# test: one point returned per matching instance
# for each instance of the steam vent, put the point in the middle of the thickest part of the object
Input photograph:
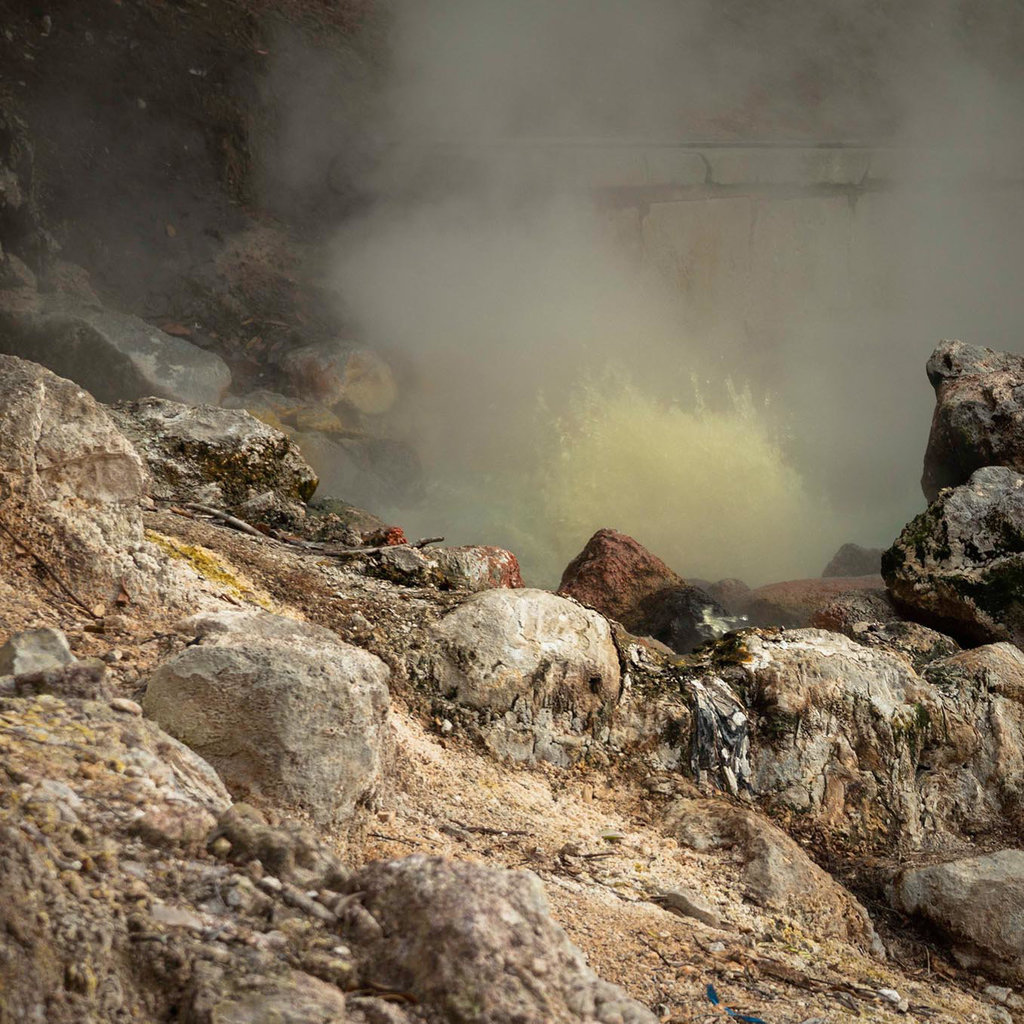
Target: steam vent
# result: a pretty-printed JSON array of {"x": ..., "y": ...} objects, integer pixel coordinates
[{"x": 511, "y": 512}]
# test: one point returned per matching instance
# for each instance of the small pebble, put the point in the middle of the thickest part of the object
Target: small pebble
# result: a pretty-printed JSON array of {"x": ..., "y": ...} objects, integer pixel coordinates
[{"x": 128, "y": 707}]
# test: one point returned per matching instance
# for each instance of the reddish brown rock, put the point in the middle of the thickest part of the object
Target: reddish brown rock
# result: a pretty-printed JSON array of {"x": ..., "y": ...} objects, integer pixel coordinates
[
  {"x": 793, "y": 603},
  {"x": 614, "y": 573}
]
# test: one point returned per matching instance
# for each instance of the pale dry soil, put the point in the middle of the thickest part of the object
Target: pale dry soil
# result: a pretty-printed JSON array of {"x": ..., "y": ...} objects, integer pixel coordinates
[{"x": 595, "y": 838}]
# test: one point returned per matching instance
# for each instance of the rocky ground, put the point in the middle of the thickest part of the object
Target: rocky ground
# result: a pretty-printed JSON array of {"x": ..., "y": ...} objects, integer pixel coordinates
[{"x": 262, "y": 759}]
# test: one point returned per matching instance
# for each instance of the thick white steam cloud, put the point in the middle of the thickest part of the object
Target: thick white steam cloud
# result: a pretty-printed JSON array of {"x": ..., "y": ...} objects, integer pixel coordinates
[{"x": 738, "y": 380}]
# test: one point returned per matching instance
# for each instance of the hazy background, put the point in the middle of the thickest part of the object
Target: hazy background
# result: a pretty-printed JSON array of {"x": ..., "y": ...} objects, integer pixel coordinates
[{"x": 738, "y": 382}]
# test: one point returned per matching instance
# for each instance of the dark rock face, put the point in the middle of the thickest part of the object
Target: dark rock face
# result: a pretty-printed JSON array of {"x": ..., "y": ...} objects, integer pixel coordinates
[
  {"x": 853, "y": 560},
  {"x": 979, "y": 414},
  {"x": 622, "y": 580},
  {"x": 682, "y": 618},
  {"x": 959, "y": 566}
]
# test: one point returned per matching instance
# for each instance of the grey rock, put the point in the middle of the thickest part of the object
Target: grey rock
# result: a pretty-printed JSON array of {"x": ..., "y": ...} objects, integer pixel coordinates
[
  {"x": 474, "y": 945},
  {"x": 979, "y": 414},
  {"x": 978, "y": 902},
  {"x": 114, "y": 356},
  {"x": 35, "y": 650},
  {"x": 539, "y": 668},
  {"x": 853, "y": 560},
  {"x": 278, "y": 708},
  {"x": 958, "y": 567},
  {"x": 687, "y": 904},
  {"x": 775, "y": 871},
  {"x": 72, "y": 481},
  {"x": 213, "y": 455}
]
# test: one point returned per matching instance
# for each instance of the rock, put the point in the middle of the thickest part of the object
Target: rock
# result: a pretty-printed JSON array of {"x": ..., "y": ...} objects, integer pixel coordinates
[
  {"x": 682, "y": 618},
  {"x": 775, "y": 871},
  {"x": 958, "y": 567},
  {"x": 35, "y": 650},
  {"x": 731, "y": 594},
  {"x": 73, "y": 481},
  {"x": 918, "y": 644},
  {"x": 114, "y": 356},
  {"x": 614, "y": 573},
  {"x": 856, "y": 742},
  {"x": 792, "y": 604},
  {"x": 477, "y": 567},
  {"x": 622, "y": 579},
  {"x": 474, "y": 945},
  {"x": 979, "y": 416},
  {"x": 853, "y": 560},
  {"x": 972, "y": 760},
  {"x": 285, "y": 996},
  {"x": 341, "y": 373},
  {"x": 290, "y": 852},
  {"x": 688, "y": 904},
  {"x": 844, "y": 611},
  {"x": 978, "y": 902},
  {"x": 279, "y": 707},
  {"x": 535, "y": 664},
  {"x": 85, "y": 680},
  {"x": 837, "y": 729},
  {"x": 208, "y": 454}
]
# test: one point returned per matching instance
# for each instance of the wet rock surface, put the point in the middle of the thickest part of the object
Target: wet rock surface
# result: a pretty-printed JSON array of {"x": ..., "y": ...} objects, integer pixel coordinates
[
  {"x": 621, "y": 579},
  {"x": 958, "y": 566}
]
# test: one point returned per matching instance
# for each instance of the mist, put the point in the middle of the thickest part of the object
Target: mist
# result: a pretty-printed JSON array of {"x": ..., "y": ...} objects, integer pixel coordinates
[{"x": 733, "y": 376}]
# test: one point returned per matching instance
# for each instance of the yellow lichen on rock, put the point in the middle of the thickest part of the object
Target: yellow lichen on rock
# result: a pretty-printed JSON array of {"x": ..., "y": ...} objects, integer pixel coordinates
[{"x": 214, "y": 569}]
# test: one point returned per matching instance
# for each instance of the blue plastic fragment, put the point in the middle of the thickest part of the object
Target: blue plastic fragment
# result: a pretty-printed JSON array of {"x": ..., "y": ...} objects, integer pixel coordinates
[{"x": 745, "y": 1018}]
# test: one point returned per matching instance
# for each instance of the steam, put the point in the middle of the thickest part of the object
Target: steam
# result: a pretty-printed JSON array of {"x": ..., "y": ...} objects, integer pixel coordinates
[{"x": 736, "y": 381}]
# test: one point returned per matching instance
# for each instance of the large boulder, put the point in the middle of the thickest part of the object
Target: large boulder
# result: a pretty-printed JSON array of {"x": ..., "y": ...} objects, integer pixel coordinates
[
  {"x": 541, "y": 670},
  {"x": 221, "y": 456},
  {"x": 474, "y": 945},
  {"x": 979, "y": 414},
  {"x": 853, "y": 740},
  {"x": 959, "y": 566},
  {"x": 279, "y": 707},
  {"x": 112, "y": 355},
  {"x": 72, "y": 482},
  {"x": 621, "y": 579},
  {"x": 979, "y": 903},
  {"x": 971, "y": 763},
  {"x": 111, "y": 829}
]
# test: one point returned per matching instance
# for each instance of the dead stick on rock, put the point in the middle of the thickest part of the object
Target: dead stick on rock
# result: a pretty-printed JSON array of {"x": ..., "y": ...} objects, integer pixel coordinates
[{"x": 224, "y": 517}]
